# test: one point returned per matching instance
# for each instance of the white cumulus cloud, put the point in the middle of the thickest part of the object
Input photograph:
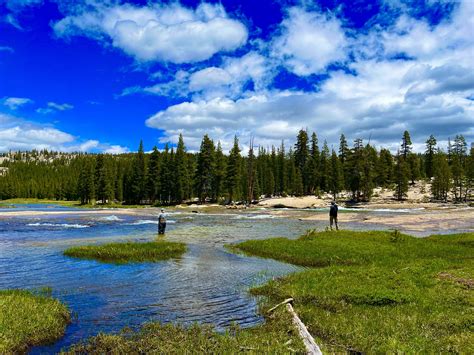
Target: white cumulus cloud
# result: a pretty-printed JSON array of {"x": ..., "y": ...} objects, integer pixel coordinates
[
  {"x": 227, "y": 80},
  {"x": 20, "y": 134},
  {"x": 376, "y": 97},
  {"x": 309, "y": 42},
  {"x": 158, "y": 32},
  {"x": 378, "y": 103}
]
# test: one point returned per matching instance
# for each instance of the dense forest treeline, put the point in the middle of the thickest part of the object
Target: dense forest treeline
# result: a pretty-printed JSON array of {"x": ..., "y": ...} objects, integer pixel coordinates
[{"x": 173, "y": 175}]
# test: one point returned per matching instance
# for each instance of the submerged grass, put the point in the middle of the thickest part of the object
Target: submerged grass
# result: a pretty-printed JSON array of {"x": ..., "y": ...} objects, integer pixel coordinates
[
  {"x": 378, "y": 291},
  {"x": 29, "y": 318},
  {"x": 121, "y": 253},
  {"x": 275, "y": 336}
]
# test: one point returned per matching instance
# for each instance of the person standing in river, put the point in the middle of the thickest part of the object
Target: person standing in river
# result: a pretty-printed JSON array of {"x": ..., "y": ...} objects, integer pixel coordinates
[
  {"x": 333, "y": 214},
  {"x": 162, "y": 222}
]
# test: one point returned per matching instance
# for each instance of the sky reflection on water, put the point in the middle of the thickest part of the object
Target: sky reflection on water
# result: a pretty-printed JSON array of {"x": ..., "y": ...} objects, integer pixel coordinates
[{"x": 207, "y": 285}]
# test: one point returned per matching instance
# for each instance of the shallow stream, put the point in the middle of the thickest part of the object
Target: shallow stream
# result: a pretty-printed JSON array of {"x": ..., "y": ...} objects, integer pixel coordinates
[{"x": 208, "y": 284}]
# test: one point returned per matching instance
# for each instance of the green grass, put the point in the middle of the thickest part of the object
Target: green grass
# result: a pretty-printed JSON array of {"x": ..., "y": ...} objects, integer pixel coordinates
[
  {"x": 26, "y": 201},
  {"x": 121, "y": 253},
  {"x": 378, "y": 292},
  {"x": 275, "y": 336},
  {"x": 28, "y": 319}
]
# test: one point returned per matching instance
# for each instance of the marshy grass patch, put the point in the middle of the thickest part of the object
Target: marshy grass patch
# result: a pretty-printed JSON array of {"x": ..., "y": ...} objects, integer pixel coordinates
[
  {"x": 34, "y": 201},
  {"x": 276, "y": 336},
  {"x": 29, "y": 318},
  {"x": 129, "y": 252},
  {"x": 378, "y": 291}
]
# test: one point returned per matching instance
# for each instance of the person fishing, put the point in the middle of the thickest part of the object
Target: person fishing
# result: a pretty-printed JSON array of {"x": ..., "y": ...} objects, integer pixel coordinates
[
  {"x": 162, "y": 222},
  {"x": 333, "y": 214}
]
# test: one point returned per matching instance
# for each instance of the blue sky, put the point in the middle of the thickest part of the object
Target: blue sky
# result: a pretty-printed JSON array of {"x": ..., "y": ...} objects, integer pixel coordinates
[{"x": 101, "y": 75}]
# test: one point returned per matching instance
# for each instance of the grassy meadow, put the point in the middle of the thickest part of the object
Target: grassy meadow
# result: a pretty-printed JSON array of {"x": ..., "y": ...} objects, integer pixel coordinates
[
  {"x": 129, "y": 252},
  {"x": 378, "y": 292},
  {"x": 30, "y": 318},
  {"x": 275, "y": 336},
  {"x": 64, "y": 203}
]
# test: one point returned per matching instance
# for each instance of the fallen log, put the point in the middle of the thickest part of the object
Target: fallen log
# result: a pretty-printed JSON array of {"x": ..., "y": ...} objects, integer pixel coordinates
[{"x": 308, "y": 340}]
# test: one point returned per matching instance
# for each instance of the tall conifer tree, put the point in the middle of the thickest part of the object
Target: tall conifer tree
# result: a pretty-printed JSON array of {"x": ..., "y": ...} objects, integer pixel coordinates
[
  {"x": 233, "y": 173},
  {"x": 205, "y": 178},
  {"x": 429, "y": 156}
]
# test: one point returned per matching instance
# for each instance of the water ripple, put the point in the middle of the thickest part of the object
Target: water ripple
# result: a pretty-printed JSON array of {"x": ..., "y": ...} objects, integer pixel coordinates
[{"x": 207, "y": 285}]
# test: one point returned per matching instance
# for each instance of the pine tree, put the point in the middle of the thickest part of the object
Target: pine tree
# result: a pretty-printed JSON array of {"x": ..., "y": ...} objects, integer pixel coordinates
[
  {"x": 205, "y": 169},
  {"x": 302, "y": 157},
  {"x": 104, "y": 180},
  {"x": 251, "y": 174},
  {"x": 153, "y": 177},
  {"x": 336, "y": 176},
  {"x": 354, "y": 169},
  {"x": 86, "y": 186},
  {"x": 118, "y": 185},
  {"x": 219, "y": 173},
  {"x": 343, "y": 149},
  {"x": 138, "y": 177},
  {"x": 384, "y": 168},
  {"x": 400, "y": 177},
  {"x": 314, "y": 165},
  {"x": 298, "y": 184},
  {"x": 274, "y": 171},
  {"x": 369, "y": 162},
  {"x": 449, "y": 151},
  {"x": 324, "y": 168},
  {"x": 429, "y": 155},
  {"x": 301, "y": 150},
  {"x": 406, "y": 145},
  {"x": 458, "y": 165},
  {"x": 233, "y": 173},
  {"x": 182, "y": 176},
  {"x": 441, "y": 182},
  {"x": 413, "y": 167},
  {"x": 166, "y": 176},
  {"x": 282, "y": 180}
]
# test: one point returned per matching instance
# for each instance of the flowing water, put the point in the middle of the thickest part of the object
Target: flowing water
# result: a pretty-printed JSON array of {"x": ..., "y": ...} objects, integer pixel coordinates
[{"x": 208, "y": 284}]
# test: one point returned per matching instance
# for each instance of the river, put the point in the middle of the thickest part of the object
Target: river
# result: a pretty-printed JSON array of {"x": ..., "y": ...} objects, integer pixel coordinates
[{"x": 208, "y": 284}]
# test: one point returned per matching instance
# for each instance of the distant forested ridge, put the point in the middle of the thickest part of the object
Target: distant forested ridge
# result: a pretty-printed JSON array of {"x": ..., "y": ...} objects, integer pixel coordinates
[{"x": 173, "y": 175}]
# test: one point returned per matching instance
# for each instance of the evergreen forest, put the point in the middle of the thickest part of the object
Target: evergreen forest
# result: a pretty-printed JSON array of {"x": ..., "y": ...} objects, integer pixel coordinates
[{"x": 173, "y": 175}]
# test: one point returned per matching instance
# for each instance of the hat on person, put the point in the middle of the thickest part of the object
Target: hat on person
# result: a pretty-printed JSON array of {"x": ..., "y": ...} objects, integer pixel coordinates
[{"x": 333, "y": 202}]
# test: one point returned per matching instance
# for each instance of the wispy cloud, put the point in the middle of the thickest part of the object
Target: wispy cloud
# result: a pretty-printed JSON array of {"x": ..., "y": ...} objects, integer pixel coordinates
[
  {"x": 14, "y": 103},
  {"x": 54, "y": 107},
  {"x": 6, "y": 49}
]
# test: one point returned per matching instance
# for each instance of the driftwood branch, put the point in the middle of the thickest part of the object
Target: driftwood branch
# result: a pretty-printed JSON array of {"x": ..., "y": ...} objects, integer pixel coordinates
[
  {"x": 288, "y": 300},
  {"x": 308, "y": 340}
]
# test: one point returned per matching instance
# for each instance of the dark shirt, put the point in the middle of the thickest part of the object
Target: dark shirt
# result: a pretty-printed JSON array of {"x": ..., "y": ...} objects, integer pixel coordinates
[{"x": 333, "y": 211}]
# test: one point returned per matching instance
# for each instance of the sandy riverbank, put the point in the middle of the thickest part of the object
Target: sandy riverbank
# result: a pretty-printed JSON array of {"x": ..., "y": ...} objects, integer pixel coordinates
[
  {"x": 418, "y": 196},
  {"x": 417, "y": 220}
]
